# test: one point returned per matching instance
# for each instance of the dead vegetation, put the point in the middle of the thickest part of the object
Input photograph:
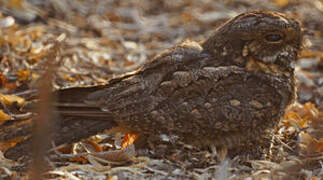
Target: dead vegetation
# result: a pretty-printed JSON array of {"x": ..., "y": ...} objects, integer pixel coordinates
[{"x": 94, "y": 41}]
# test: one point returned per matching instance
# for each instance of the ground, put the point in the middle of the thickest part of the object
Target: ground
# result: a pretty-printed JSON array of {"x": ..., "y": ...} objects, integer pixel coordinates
[{"x": 93, "y": 41}]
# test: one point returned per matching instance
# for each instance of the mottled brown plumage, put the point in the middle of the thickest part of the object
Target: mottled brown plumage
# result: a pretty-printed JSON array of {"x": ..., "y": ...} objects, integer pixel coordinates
[{"x": 225, "y": 91}]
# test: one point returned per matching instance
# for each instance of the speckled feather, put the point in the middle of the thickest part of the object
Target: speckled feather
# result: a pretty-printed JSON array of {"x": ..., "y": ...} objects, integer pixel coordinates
[{"x": 224, "y": 91}]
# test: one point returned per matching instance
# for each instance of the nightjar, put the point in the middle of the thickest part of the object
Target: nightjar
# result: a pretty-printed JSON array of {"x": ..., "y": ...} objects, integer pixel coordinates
[{"x": 225, "y": 91}]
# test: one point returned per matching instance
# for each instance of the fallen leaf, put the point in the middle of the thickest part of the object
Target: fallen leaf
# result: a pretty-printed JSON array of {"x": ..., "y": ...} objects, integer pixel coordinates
[
  {"x": 129, "y": 139},
  {"x": 10, "y": 99},
  {"x": 281, "y": 3},
  {"x": 96, "y": 146},
  {"x": 14, "y": 4},
  {"x": 4, "y": 117},
  {"x": 310, "y": 144},
  {"x": 307, "y": 53},
  {"x": 79, "y": 159},
  {"x": 23, "y": 75},
  {"x": 3, "y": 80},
  {"x": 122, "y": 155},
  {"x": 5, "y": 145},
  {"x": 187, "y": 16}
]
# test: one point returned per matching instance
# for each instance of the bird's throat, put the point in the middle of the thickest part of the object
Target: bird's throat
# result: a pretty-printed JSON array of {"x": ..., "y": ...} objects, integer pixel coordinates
[{"x": 258, "y": 66}]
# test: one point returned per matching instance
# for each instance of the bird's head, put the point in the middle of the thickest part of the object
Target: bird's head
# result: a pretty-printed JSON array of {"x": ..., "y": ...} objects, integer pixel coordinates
[{"x": 258, "y": 40}]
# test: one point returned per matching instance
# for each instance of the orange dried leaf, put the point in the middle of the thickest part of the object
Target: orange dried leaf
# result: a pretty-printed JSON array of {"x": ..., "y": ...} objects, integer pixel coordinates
[
  {"x": 65, "y": 149},
  {"x": 110, "y": 178},
  {"x": 15, "y": 40},
  {"x": 292, "y": 118},
  {"x": 35, "y": 76},
  {"x": 187, "y": 16},
  {"x": 291, "y": 115},
  {"x": 3, "y": 80},
  {"x": 112, "y": 16},
  {"x": 3, "y": 42},
  {"x": 306, "y": 142},
  {"x": 96, "y": 146},
  {"x": 129, "y": 139},
  {"x": 68, "y": 78},
  {"x": 79, "y": 159},
  {"x": 27, "y": 43},
  {"x": 5, "y": 145},
  {"x": 14, "y": 4},
  {"x": 309, "y": 106},
  {"x": 305, "y": 138},
  {"x": 11, "y": 85},
  {"x": 4, "y": 117},
  {"x": 23, "y": 75},
  {"x": 281, "y": 3},
  {"x": 129, "y": 63},
  {"x": 35, "y": 50},
  {"x": 9, "y": 99},
  {"x": 14, "y": 27},
  {"x": 319, "y": 146},
  {"x": 34, "y": 58},
  {"x": 311, "y": 144},
  {"x": 310, "y": 54},
  {"x": 36, "y": 34}
]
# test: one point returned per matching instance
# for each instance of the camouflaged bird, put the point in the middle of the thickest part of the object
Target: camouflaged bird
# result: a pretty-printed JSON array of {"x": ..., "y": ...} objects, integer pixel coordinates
[{"x": 225, "y": 91}]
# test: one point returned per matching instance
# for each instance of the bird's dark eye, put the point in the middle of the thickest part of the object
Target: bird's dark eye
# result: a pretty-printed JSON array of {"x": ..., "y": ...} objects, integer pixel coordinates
[{"x": 273, "y": 37}]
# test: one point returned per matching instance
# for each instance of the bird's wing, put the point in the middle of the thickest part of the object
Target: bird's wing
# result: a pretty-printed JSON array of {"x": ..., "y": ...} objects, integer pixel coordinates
[
  {"x": 214, "y": 101},
  {"x": 134, "y": 89}
]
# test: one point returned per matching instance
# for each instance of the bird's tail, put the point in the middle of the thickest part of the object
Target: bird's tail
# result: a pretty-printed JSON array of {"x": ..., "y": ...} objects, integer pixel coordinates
[
  {"x": 70, "y": 103},
  {"x": 73, "y": 118}
]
